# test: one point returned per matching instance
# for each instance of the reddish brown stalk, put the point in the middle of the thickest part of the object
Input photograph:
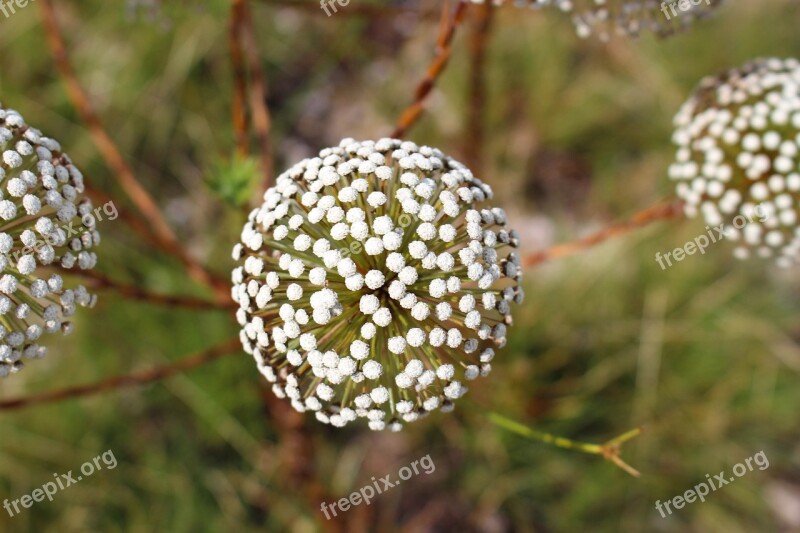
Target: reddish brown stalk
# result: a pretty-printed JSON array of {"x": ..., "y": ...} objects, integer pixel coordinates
[
  {"x": 229, "y": 347},
  {"x": 360, "y": 10},
  {"x": 661, "y": 211},
  {"x": 447, "y": 30},
  {"x": 137, "y": 225},
  {"x": 258, "y": 100},
  {"x": 131, "y": 219},
  {"x": 479, "y": 41},
  {"x": 144, "y": 203},
  {"x": 97, "y": 280},
  {"x": 238, "y": 111},
  {"x": 296, "y": 451}
]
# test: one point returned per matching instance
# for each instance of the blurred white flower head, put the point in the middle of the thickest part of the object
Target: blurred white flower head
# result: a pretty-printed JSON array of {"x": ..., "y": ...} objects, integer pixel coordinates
[
  {"x": 47, "y": 226},
  {"x": 738, "y": 139},
  {"x": 626, "y": 18}
]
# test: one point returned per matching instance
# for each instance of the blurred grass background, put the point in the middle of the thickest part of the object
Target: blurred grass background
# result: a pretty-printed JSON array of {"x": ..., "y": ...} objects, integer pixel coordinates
[{"x": 705, "y": 355}]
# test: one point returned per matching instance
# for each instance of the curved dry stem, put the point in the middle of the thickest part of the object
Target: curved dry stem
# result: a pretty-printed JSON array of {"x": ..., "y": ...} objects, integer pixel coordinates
[
  {"x": 663, "y": 210},
  {"x": 238, "y": 113},
  {"x": 262, "y": 123},
  {"x": 448, "y": 26},
  {"x": 353, "y": 10},
  {"x": 475, "y": 131},
  {"x": 97, "y": 280},
  {"x": 130, "y": 218},
  {"x": 229, "y": 347}
]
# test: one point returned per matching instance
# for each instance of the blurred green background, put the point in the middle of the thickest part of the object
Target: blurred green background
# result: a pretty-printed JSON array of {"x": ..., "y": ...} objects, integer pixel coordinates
[{"x": 705, "y": 355}]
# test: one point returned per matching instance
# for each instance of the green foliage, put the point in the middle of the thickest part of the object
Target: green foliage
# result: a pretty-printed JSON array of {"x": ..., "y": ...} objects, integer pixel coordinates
[{"x": 234, "y": 180}]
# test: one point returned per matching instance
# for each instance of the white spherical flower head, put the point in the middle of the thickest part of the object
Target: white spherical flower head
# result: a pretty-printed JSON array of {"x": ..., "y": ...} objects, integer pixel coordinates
[
  {"x": 384, "y": 309},
  {"x": 47, "y": 224},
  {"x": 738, "y": 158},
  {"x": 628, "y": 18}
]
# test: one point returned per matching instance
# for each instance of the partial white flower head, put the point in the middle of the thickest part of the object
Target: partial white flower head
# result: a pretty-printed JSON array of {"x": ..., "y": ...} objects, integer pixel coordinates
[
  {"x": 404, "y": 290},
  {"x": 43, "y": 209},
  {"x": 605, "y": 19},
  {"x": 738, "y": 158}
]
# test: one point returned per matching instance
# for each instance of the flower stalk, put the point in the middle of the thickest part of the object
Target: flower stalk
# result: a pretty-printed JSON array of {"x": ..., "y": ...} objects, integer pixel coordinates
[{"x": 610, "y": 450}]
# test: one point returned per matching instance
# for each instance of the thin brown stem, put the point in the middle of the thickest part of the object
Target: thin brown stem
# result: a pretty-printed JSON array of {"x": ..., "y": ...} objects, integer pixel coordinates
[
  {"x": 447, "y": 30},
  {"x": 144, "y": 203},
  {"x": 258, "y": 100},
  {"x": 663, "y": 210},
  {"x": 97, "y": 280},
  {"x": 359, "y": 10},
  {"x": 238, "y": 111},
  {"x": 479, "y": 41},
  {"x": 130, "y": 218},
  {"x": 137, "y": 225},
  {"x": 128, "y": 380}
]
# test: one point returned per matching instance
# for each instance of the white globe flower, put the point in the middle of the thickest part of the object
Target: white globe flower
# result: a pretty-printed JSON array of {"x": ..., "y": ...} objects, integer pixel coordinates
[
  {"x": 390, "y": 328},
  {"x": 737, "y": 163},
  {"x": 47, "y": 225},
  {"x": 628, "y": 18}
]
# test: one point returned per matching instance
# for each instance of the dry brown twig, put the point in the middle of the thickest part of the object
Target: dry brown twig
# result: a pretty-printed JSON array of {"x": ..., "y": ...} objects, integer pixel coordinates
[
  {"x": 447, "y": 30},
  {"x": 125, "y": 176},
  {"x": 229, "y": 347},
  {"x": 243, "y": 49},
  {"x": 258, "y": 101},
  {"x": 663, "y": 210},
  {"x": 97, "y": 280},
  {"x": 129, "y": 217},
  {"x": 354, "y": 10},
  {"x": 479, "y": 41},
  {"x": 238, "y": 111}
]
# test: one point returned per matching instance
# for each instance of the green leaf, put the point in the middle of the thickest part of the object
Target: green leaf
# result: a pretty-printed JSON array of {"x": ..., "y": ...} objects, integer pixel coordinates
[{"x": 234, "y": 179}]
